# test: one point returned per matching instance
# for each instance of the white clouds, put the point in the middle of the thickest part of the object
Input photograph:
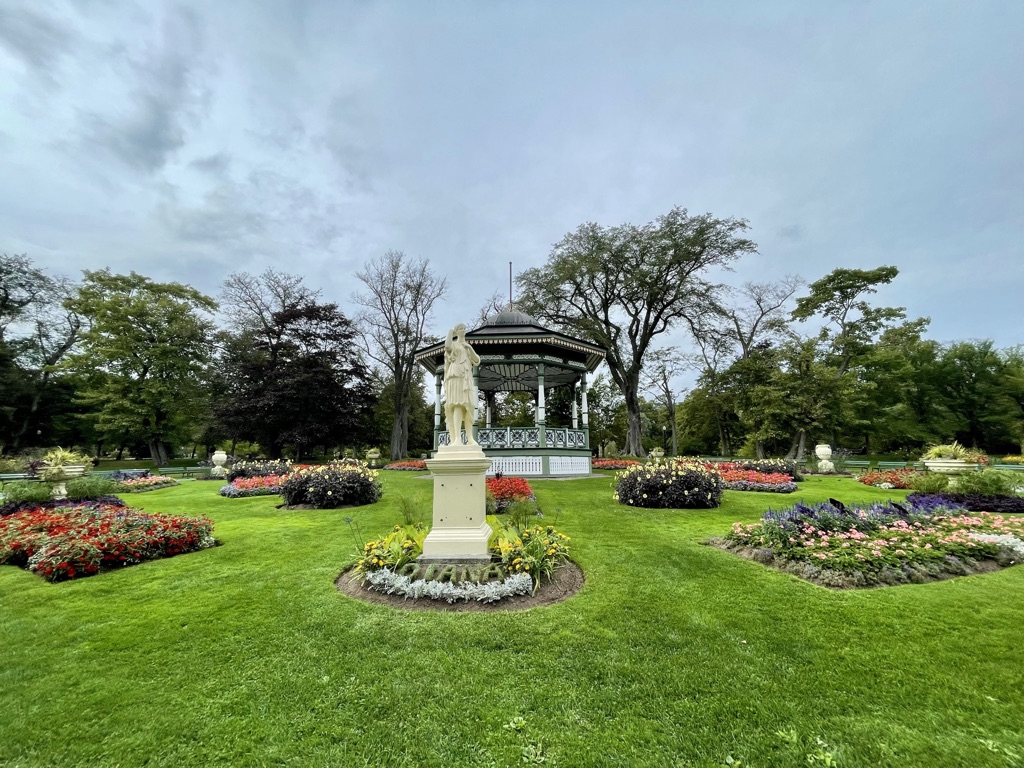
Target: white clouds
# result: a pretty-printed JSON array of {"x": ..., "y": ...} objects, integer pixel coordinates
[{"x": 309, "y": 137}]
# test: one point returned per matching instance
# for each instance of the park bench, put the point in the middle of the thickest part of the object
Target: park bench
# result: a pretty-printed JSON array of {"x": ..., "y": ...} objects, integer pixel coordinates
[
  {"x": 882, "y": 466},
  {"x": 858, "y": 464},
  {"x": 171, "y": 471},
  {"x": 1009, "y": 467},
  {"x": 193, "y": 471},
  {"x": 16, "y": 476}
]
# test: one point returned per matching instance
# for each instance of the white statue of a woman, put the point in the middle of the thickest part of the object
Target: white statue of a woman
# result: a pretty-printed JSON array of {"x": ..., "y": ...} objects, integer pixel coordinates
[{"x": 459, "y": 392}]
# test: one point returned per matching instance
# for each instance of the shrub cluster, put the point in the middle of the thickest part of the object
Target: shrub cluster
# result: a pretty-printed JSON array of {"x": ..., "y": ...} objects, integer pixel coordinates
[
  {"x": 675, "y": 484},
  {"x": 259, "y": 468},
  {"x": 81, "y": 539},
  {"x": 24, "y": 492},
  {"x": 90, "y": 487},
  {"x": 990, "y": 482},
  {"x": 890, "y": 478},
  {"x": 244, "y": 487},
  {"x": 408, "y": 465},
  {"x": 338, "y": 484},
  {"x": 972, "y": 502},
  {"x": 928, "y": 482}
]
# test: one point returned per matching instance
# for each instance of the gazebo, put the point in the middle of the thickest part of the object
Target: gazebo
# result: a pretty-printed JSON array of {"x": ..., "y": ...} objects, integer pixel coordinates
[{"x": 519, "y": 355}]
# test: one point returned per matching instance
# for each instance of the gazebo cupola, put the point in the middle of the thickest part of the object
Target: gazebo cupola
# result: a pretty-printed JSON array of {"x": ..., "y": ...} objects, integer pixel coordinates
[{"x": 519, "y": 355}]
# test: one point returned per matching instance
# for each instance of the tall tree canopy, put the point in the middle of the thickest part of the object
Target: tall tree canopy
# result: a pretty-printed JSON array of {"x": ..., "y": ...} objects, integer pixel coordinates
[
  {"x": 144, "y": 356},
  {"x": 298, "y": 380},
  {"x": 397, "y": 305},
  {"x": 623, "y": 286}
]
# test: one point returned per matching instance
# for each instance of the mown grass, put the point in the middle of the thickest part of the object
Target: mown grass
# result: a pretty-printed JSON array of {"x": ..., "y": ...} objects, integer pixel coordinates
[{"x": 674, "y": 653}]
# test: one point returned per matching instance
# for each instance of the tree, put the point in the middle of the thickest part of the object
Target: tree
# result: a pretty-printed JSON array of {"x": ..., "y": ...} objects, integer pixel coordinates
[
  {"x": 623, "y": 286},
  {"x": 398, "y": 303},
  {"x": 665, "y": 365},
  {"x": 296, "y": 380},
  {"x": 147, "y": 349}
]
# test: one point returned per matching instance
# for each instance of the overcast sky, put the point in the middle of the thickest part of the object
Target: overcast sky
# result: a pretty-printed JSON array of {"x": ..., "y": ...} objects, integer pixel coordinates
[{"x": 187, "y": 141}]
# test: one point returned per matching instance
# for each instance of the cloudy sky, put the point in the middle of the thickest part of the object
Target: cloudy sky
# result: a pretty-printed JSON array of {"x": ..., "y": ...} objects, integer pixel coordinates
[{"x": 187, "y": 141}]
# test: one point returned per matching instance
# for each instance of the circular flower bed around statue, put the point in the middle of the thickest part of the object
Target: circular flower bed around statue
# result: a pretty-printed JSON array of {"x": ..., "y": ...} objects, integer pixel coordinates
[
  {"x": 675, "y": 484},
  {"x": 529, "y": 565},
  {"x": 842, "y": 546},
  {"x": 338, "y": 484}
]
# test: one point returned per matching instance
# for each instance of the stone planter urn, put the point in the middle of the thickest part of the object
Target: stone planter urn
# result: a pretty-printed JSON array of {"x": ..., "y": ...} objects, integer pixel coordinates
[
  {"x": 949, "y": 466},
  {"x": 219, "y": 458},
  {"x": 824, "y": 453}
]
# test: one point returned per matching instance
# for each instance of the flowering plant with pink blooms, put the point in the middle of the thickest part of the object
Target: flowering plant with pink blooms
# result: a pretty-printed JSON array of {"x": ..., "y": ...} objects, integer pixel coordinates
[
  {"x": 881, "y": 536},
  {"x": 143, "y": 484},
  {"x": 260, "y": 485}
]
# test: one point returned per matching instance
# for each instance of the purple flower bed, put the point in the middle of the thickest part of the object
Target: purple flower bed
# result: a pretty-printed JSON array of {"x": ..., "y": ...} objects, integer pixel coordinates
[
  {"x": 746, "y": 485},
  {"x": 973, "y": 502}
]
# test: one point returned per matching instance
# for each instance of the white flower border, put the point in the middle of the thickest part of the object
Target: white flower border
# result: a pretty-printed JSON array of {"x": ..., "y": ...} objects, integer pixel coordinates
[
  {"x": 1004, "y": 540},
  {"x": 391, "y": 583}
]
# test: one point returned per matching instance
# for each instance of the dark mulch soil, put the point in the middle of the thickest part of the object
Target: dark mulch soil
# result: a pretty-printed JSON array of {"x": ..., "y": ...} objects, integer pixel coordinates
[
  {"x": 887, "y": 577},
  {"x": 565, "y": 582}
]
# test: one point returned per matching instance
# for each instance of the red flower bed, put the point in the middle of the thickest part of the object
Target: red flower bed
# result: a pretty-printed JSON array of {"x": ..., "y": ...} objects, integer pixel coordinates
[
  {"x": 263, "y": 481},
  {"x": 613, "y": 463},
  {"x": 897, "y": 478},
  {"x": 82, "y": 539},
  {"x": 731, "y": 474},
  {"x": 409, "y": 465},
  {"x": 509, "y": 488}
]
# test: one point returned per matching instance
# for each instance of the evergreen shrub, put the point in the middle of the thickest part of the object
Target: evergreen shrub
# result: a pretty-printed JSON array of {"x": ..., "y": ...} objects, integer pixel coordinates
[{"x": 675, "y": 484}]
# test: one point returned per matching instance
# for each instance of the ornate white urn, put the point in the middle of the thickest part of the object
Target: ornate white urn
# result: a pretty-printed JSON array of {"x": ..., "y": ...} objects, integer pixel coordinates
[
  {"x": 219, "y": 458},
  {"x": 824, "y": 453},
  {"x": 949, "y": 466}
]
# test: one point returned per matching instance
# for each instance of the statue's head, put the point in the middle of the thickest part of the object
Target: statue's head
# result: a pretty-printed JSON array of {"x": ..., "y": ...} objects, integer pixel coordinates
[{"x": 460, "y": 330}]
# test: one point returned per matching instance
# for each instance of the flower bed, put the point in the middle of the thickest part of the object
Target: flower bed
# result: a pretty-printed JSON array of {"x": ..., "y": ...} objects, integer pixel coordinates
[
  {"x": 735, "y": 478},
  {"x": 243, "y": 487},
  {"x": 890, "y": 478},
  {"x": 143, "y": 484},
  {"x": 389, "y": 564},
  {"x": 409, "y": 465},
  {"x": 82, "y": 539},
  {"x": 676, "y": 484},
  {"x": 613, "y": 463},
  {"x": 768, "y": 466},
  {"x": 260, "y": 468},
  {"x": 503, "y": 492},
  {"x": 972, "y": 502},
  {"x": 890, "y": 543},
  {"x": 338, "y": 484}
]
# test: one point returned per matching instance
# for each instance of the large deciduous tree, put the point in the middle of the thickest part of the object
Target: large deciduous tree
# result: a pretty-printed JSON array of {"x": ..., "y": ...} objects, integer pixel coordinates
[
  {"x": 295, "y": 379},
  {"x": 623, "y": 286},
  {"x": 397, "y": 305},
  {"x": 144, "y": 357}
]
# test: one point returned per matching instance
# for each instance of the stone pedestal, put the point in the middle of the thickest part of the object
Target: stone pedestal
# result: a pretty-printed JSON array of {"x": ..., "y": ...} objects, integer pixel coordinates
[{"x": 460, "y": 530}]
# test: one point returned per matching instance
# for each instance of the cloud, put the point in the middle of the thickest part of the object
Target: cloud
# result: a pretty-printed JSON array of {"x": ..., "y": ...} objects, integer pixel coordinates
[
  {"x": 164, "y": 98},
  {"x": 38, "y": 40},
  {"x": 216, "y": 164},
  {"x": 791, "y": 232}
]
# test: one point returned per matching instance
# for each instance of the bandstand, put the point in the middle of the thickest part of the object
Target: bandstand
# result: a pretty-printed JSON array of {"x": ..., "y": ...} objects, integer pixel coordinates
[{"x": 518, "y": 355}]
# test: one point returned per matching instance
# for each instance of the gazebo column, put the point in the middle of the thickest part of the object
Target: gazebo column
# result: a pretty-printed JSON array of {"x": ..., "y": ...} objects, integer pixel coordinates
[
  {"x": 575, "y": 421},
  {"x": 541, "y": 416},
  {"x": 476, "y": 405},
  {"x": 489, "y": 409},
  {"x": 586, "y": 421},
  {"x": 437, "y": 409}
]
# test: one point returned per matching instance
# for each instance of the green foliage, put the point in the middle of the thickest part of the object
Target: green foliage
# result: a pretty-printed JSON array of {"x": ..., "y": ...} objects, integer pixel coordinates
[
  {"x": 143, "y": 356},
  {"x": 332, "y": 485},
  {"x": 990, "y": 482},
  {"x": 402, "y": 545},
  {"x": 535, "y": 551},
  {"x": 928, "y": 482},
  {"x": 951, "y": 450},
  {"x": 23, "y": 490},
  {"x": 675, "y": 484},
  {"x": 261, "y": 468},
  {"x": 89, "y": 487}
]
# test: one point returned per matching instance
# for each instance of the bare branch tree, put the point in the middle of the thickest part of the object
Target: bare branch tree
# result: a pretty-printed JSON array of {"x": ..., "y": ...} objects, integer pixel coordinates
[
  {"x": 398, "y": 303},
  {"x": 661, "y": 369}
]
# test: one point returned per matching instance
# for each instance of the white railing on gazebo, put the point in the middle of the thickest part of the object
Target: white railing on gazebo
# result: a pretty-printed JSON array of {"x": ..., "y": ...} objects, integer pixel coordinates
[{"x": 498, "y": 438}]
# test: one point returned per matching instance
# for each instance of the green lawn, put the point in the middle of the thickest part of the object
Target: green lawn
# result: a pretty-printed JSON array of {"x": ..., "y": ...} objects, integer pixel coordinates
[{"x": 673, "y": 654}]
